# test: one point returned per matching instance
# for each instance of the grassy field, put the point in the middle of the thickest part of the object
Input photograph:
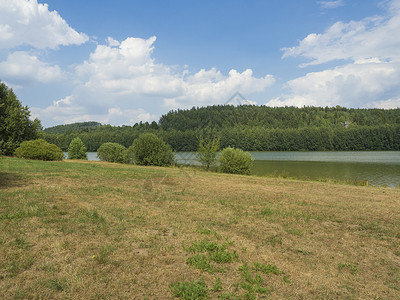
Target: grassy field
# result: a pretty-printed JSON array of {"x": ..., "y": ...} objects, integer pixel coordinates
[{"x": 94, "y": 230}]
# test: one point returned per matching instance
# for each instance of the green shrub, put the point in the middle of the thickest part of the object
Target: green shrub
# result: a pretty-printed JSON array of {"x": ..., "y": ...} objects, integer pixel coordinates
[
  {"x": 39, "y": 149},
  {"x": 77, "y": 149},
  {"x": 235, "y": 161},
  {"x": 112, "y": 152},
  {"x": 150, "y": 150}
]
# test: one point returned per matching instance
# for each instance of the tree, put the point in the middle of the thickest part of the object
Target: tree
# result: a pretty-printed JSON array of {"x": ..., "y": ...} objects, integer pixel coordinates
[
  {"x": 39, "y": 149},
  {"x": 235, "y": 161},
  {"x": 112, "y": 152},
  {"x": 207, "y": 151},
  {"x": 150, "y": 150},
  {"x": 15, "y": 125},
  {"x": 77, "y": 149}
]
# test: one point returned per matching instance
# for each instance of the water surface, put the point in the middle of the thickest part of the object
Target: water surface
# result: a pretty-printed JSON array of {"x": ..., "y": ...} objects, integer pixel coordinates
[{"x": 376, "y": 167}]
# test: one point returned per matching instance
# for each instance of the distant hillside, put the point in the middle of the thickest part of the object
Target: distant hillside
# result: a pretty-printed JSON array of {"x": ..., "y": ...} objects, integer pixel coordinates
[
  {"x": 222, "y": 116},
  {"x": 82, "y": 126},
  {"x": 251, "y": 128}
]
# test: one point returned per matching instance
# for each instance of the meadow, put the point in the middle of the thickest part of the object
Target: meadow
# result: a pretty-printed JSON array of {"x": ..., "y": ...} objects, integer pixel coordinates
[{"x": 96, "y": 230}]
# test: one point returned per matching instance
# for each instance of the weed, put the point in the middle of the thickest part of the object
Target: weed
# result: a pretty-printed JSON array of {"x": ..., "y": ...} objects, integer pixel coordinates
[
  {"x": 206, "y": 252},
  {"x": 104, "y": 255},
  {"x": 266, "y": 212},
  {"x": 303, "y": 252},
  {"x": 274, "y": 240},
  {"x": 287, "y": 279},
  {"x": 253, "y": 284},
  {"x": 217, "y": 286},
  {"x": 190, "y": 290},
  {"x": 267, "y": 269},
  {"x": 353, "y": 268},
  {"x": 57, "y": 284},
  {"x": 21, "y": 243},
  {"x": 201, "y": 262}
]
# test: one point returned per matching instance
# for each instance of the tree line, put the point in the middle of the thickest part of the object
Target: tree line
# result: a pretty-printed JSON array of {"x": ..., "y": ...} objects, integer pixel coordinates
[{"x": 251, "y": 128}]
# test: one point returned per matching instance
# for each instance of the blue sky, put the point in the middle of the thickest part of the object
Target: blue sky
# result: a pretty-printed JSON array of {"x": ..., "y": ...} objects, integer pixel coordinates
[{"x": 124, "y": 61}]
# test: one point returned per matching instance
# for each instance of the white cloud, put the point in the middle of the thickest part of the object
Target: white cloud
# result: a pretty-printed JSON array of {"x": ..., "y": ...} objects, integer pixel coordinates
[
  {"x": 371, "y": 37},
  {"x": 211, "y": 87},
  {"x": 386, "y": 104},
  {"x": 130, "y": 69},
  {"x": 370, "y": 72},
  {"x": 121, "y": 75},
  {"x": 22, "y": 68},
  {"x": 68, "y": 110},
  {"x": 331, "y": 4},
  {"x": 353, "y": 85},
  {"x": 27, "y": 22}
]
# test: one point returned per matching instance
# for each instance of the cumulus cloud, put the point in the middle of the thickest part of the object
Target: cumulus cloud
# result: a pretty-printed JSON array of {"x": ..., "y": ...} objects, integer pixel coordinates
[
  {"x": 129, "y": 69},
  {"x": 353, "y": 85},
  {"x": 120, "y": 75},
  {"x": 27, "y": 22},
  {"x": 23, "y": 68},
  {"x": 68, "y": 110},
  {"x": 371, "y": 37},
  {"x": 370, "y": 72},
  {"x": 208, "y": 87}
]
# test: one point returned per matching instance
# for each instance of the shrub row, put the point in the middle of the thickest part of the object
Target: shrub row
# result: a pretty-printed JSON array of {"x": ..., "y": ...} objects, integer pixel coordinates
[{"x": 146, "y": 150}]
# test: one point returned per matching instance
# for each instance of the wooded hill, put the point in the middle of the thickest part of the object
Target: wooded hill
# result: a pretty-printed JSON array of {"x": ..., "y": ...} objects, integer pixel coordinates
[{"x": 251, "y": 128}]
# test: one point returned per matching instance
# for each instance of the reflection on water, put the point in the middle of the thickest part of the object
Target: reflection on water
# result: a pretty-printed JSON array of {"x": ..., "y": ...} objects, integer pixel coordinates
[
  {"x": 375, "y": 174},
  {"x": 378, "y": 167}
]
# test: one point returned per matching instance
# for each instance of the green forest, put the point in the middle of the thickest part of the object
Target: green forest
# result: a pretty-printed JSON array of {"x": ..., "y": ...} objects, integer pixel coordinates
[{"x": 251, "y": 128}]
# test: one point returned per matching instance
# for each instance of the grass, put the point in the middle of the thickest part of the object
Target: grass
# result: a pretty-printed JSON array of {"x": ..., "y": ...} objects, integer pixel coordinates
[{"x": 95, "y": 230}]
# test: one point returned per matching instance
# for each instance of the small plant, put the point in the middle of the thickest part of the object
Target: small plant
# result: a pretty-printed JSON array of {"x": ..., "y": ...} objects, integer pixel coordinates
[
  {"x": 208, "y": 255},
  {"x": 267, "y": 269},
  {"x": 104, "y": 255},
  {"x": 235, "y": 161},
  {"x": 253, "y": 284},
  {"x": 207, "y": 152},
  {"x": 190, "y": 290},
  {"x": 112, "y": 152},
  {"x": 353, "y": 268},
  {"x": 57, "y": 284},
  {"x": 201, "y": 262},
  {"x": 150, "y": 150},
  {"x": 274, "y": 240},
  {"x": 39, "y": 149},
  {"x": 77, "y": 149},
  {"x": 217, "y": 287}
]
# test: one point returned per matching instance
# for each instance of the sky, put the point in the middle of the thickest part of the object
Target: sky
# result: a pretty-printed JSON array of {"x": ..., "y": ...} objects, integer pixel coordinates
[{"x": 120, "y": 62}]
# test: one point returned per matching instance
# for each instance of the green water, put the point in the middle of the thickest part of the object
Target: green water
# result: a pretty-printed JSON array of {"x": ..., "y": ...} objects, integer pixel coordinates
[{"x": 376, "y": 167}]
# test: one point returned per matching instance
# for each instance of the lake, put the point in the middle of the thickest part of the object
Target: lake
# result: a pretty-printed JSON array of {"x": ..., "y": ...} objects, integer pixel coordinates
[{"x": 377, "y": 167}]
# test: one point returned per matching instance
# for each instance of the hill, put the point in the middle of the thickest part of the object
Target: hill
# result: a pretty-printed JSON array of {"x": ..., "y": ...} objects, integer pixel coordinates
[
  {"x": 74, "y": 127},
  {"x": 252, "y": 128}
]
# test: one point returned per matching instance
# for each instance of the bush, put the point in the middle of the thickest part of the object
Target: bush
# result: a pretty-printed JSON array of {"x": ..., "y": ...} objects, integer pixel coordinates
[
  {"x": 77, "y": 149},
  {"x": 112, "y": 152},
  {"x": 39, "y": 149},
  {"x": 150, "y": 150},
  {"x": 235, "y": 161}
]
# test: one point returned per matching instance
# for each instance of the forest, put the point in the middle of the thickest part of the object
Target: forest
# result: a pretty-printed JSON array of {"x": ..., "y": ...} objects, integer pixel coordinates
[{"x": 251, "y": 128}]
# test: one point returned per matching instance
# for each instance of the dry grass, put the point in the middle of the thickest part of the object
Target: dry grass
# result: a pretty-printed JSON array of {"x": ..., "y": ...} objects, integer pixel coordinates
[{"x": 90, "y": 230}]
